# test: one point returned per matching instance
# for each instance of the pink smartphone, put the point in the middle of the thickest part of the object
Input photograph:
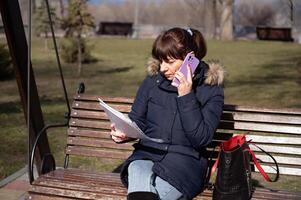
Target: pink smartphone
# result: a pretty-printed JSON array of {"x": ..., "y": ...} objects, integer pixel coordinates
[{"x": 189, "y": 60}]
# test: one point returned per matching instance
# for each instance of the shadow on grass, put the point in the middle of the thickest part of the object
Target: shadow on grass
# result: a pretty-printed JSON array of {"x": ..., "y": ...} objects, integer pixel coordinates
[
  {"x": 114, "y": 70},
  {"x": 16, "y": 107},
  {"x": 11, "y": 107},
  {"x": 47, "y": 100},
  {"x": 274, "y": 72}
]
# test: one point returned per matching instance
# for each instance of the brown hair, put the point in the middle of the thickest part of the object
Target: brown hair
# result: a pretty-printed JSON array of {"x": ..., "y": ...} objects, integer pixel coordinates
[{"x": 177, "y": 42}]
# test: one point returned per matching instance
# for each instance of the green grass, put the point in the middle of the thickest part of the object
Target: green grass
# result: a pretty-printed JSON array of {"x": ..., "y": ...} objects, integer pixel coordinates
[{"x": 258, "y": 74}]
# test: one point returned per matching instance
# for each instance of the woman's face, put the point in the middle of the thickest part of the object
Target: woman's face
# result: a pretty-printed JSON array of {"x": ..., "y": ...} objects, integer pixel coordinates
[{"x": 170, "y": 67}]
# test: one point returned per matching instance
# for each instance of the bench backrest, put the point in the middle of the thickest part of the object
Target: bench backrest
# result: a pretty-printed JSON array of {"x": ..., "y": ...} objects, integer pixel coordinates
[{"x": 278, "y": 131}]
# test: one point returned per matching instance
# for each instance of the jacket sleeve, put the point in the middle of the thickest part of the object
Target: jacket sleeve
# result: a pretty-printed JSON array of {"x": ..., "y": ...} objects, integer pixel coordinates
[
  {"x": 200, "y": 116},
  {"x": 139, "y": 107}
]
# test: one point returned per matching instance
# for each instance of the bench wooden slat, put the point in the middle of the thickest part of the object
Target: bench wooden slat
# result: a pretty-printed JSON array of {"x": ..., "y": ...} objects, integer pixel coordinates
[
  {"x": 85, "y": 151},
  {"x": 96, "y": 124},
  {"x": 86, "y": 97},
  {"x": 81, "y": 183},
  {"x": 273, "y": 149},
  {"x": 89, "y": 114},
  {"x": 40, "y": 196},
  {"x": 274, "y": 139},
  {"x": 288, "y": 111},
  {"x": 278, "y": 149},
  {"x": 282, "y": 170},
  {"x": 227, "y": 107},
  {"x": 34, "y": 196},
  {"x": 95, "y": 106},
  {"x": 226, "y": 116},
  {"x": 281, "y": 159},
  {"x": 105, "y": 134},
  {"x": 75, "y": 194},
  {"x": 73, "y": 131},
  {"x": 83, "y": 174},
  {"x": 262, "y": 117},
  {"x": 260, "y": 127},
  {"x": 97, "y": 178},
  {"x": 243, "y": 126},
  {"x": 98, "y": 143}
]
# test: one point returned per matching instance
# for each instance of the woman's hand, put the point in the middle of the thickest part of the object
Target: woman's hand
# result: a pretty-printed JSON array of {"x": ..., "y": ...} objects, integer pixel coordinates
[
  {"x": 185, "y": 85},
  {"x": 117, "y": 136}
]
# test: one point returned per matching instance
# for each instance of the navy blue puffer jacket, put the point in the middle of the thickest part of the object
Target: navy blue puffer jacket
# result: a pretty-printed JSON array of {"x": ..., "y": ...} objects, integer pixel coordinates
[{"x": 186, "y": 124}]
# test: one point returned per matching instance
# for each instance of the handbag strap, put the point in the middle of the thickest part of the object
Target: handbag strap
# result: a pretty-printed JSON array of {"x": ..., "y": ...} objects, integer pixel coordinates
[
  {"x": 258, "y": 166},
  {"x": 214, "y": 167},
  {"x": 207, "y": 184}
]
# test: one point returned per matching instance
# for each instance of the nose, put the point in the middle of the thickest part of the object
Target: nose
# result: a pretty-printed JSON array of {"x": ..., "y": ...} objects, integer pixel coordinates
[{"x": 163, "y": 67}]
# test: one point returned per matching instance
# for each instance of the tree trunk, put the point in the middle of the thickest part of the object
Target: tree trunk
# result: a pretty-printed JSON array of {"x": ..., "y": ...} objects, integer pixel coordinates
[
  {"x": 62, "y": 9},
  {"x": 226, "y": 25},
  {"x": 34, "y": 6},
  {"x": 46, "y": 42},
  {"x": 79, "y": 56},
  {"x": 210, "y": 18}
]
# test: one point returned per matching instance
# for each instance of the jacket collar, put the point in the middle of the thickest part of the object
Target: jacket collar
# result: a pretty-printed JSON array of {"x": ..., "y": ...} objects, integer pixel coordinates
[{"x": 209, "y": 74}]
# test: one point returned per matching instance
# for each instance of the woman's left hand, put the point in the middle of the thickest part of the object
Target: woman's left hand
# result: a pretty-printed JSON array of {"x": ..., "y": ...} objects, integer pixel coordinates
[{"x": 185, "y": 85}]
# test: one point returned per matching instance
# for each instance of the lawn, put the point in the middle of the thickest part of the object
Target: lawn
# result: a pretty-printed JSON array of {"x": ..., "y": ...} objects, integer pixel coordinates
[{"x": 258, "y": 74}]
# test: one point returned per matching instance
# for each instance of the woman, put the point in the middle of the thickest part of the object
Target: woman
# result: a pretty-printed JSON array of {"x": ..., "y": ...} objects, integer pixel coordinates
[{"x": 184, "y": 117}]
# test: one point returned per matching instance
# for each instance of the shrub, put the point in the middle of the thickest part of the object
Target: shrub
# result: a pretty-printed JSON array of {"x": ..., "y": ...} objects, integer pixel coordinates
[
  {"x": 69, "y": 51},
  {"x": 6, "y": 69}
]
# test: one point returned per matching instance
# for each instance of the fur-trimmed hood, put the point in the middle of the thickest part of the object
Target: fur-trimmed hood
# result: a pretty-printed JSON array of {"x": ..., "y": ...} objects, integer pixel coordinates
[{"x": 214, "y": 74}]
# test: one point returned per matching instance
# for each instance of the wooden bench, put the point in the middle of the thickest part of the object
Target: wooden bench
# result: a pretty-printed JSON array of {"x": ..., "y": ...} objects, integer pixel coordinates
[
  {"x": 276, "y": 131},
  {"x": 274, "y": 33}
]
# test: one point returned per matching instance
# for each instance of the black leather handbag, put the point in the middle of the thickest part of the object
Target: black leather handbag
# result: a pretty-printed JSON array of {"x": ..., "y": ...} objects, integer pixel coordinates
[{"x": 233, "y": 180}]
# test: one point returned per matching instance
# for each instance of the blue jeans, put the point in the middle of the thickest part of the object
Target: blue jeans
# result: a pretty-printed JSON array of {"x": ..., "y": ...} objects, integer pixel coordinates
[{"x": 142, "y": 179}]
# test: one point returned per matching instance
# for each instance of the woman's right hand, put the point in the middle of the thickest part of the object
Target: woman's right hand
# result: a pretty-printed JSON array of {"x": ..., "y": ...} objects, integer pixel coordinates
[{"x": 117, "y": 136}]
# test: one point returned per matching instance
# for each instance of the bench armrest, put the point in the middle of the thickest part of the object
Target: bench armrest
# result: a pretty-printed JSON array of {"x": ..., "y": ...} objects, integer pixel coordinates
[{"x": 31, "y": 161}]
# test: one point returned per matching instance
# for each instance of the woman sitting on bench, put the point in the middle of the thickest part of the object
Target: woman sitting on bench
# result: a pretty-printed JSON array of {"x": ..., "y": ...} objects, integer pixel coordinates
[{"x": 184, "y": 117}]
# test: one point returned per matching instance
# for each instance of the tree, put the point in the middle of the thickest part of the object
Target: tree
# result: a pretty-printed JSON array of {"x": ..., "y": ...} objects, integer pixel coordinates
[
  {"x": 253, "y": 14},
  {"x": 291, "y": 6},
  {"x": 226, "y": 24},
  {"x": 196, "y": 10},
  {"x": 79, "y": 21},
  {"x": 62, "y": 8},
  {"x": 210, "y": 18},
  {"x": 41, "y": 21}
]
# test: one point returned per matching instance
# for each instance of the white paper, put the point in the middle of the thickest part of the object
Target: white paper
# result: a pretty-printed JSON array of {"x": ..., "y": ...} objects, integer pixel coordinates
[{"x": 124, "y": 124}]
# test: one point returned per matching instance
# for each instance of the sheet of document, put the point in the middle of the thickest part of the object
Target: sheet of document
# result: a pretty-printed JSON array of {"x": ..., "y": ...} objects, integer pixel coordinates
[{"x": 124, "y": 124}]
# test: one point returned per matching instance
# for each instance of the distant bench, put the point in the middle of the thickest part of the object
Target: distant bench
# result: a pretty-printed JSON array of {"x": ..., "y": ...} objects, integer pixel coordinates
[
  {"x": 274, "y": 33},
  {"x": 278, "y": 131},
  {"x": 115, "y": 28}
]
